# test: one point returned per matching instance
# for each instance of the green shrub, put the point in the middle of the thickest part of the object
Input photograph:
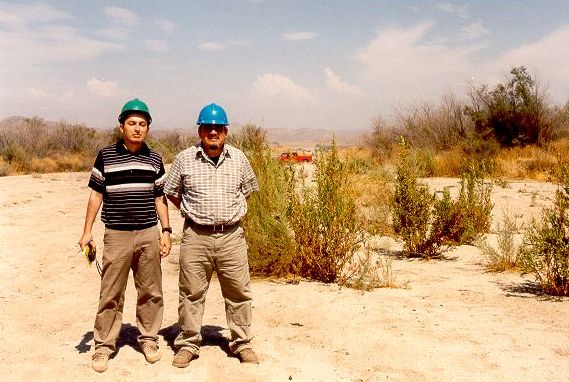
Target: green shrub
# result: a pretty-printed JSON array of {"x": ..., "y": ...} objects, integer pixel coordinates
[
  {"x": 515, "y": 113},
  {"x": 545, "y": 251},
  {"x": 505, "y": 257},
  {"x": 31, "y": 141},
  {"x": 412, "y": 209},
  {"x": 370, "y": 270},
  {"x": 428, "y": 224},
  {"x": 474, "y": 208},
  {"x": 270, "y": 241},
  {"x": 324, "y": 220}
]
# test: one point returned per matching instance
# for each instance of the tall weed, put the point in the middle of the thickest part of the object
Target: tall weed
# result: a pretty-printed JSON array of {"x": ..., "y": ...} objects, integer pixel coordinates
[
  {"x": 271, "y": 244},
  {"x": 505, "y": 256},
  {"x": 412, "y": 209},
  {"x": 545, "y": 251},
  {"x": 324, "y": 220},
  {"x": 428, "y": 225}
]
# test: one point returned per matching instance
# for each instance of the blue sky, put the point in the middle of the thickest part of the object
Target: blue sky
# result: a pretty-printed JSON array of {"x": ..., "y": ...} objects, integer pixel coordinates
[{"x": 280, "y": 64}]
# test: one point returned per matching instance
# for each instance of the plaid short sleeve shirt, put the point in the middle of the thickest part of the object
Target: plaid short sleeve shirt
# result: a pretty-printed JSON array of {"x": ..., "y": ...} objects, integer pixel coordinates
[{"x": 209, "y": 193}]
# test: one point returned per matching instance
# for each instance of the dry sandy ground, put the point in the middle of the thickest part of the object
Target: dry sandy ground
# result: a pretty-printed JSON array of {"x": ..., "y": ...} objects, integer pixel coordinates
[{"x": 454, "y": 322}]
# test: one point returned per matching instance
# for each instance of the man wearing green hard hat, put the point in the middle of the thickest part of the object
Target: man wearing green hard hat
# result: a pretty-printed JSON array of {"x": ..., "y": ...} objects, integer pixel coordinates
[
  {"x": 128, "y": 180},
  {"x": 210, "y": 183}
]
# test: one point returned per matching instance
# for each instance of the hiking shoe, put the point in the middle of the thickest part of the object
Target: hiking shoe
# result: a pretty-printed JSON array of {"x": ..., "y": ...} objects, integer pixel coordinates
[
  {"x": 99, "y": 362},
  {"x": 183, "y": 358},
  {"x": 150, "y": 351},
  {"x": 248, "y": 356}
]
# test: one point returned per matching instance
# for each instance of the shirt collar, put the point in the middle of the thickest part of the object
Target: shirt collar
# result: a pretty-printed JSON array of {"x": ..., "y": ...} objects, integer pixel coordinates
[
  {"x": 224, "y": 153},
  {"x": 144, "y": 150}
]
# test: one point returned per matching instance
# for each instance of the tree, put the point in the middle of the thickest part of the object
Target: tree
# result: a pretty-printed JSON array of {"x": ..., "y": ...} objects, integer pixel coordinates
[{"x": 514, "y": 113}]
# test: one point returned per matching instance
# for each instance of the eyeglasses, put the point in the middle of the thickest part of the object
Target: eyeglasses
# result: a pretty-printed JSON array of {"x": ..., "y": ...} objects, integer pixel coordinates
[{"x": 209, "y": 128}]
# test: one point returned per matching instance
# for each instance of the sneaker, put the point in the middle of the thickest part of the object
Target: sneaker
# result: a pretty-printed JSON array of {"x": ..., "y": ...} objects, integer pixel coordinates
[
  {"x": 248, "y": 356},
  {"x": 183, "y": 358},
  {"x": 150, "y": 351},
  {"x": 99, "y": 362}
]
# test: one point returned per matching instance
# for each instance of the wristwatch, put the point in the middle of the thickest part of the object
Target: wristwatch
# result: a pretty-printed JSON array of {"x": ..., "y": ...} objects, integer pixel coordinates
[{"x": 167, "y": 229}]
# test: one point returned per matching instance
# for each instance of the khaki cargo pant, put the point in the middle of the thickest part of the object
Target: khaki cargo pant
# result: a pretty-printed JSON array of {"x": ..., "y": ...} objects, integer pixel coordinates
[
  {"x": 138, "y": 250},
  {"x": 200, "y": 254}
]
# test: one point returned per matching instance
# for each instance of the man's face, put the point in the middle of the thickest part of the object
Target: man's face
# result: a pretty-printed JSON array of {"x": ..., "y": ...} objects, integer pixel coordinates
[
  {"x": 135, "y": 128},
  {"x": 212, "y": 137}
]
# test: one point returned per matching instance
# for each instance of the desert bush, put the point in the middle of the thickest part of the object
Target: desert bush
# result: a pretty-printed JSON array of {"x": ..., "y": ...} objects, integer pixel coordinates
[
  {"x": 373, "y": 192},
  {"x": 370, "y": 270},
  {"x": 168, "y": 143},
  {"x": 428, "y": 224},
  {"x": 515, "y": 113},
  {"x": 381, "y": 140},
  {"x": 545, "y": 250},
  {"x": 412, "y": 209},
  {"x": 505, "y": 256},
  {"x": 473, "y": 207},
  {"x": 324, "y": 220},
  {"x": 434, "y": 126},
  {"x": 32, "y": 145},
  {"x": 271, "y": 244}
]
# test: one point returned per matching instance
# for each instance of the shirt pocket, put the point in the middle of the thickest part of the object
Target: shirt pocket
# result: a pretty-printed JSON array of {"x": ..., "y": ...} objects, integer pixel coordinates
[{"x": 229, "y": 181}]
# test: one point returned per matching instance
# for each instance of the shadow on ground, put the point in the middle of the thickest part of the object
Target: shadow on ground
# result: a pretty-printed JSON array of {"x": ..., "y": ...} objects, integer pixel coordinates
[{"x": 527, "y": 289}]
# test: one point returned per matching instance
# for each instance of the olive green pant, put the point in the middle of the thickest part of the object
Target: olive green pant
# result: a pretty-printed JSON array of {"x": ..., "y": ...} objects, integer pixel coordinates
[
  {"x": 138, "y": 250},
  {"x": 201, "y": 253}
]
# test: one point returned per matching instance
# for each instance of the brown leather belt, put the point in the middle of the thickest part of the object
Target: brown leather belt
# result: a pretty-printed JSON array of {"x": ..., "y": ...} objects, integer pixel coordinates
[{"x": 213, "y": 228}]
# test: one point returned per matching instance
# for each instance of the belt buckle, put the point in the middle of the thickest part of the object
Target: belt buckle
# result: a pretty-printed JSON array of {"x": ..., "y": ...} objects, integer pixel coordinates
[{"x": 218, "y": 228}]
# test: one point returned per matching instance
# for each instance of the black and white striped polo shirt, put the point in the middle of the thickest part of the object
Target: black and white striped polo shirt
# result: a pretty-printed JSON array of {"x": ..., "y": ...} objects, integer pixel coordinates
[{"x": 129, "y": 184}]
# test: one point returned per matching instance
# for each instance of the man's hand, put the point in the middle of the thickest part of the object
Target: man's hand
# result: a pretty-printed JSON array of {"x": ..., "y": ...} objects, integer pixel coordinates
[
  {"x": 86, "y": 239},
  {"x": 165, "y": 244}
]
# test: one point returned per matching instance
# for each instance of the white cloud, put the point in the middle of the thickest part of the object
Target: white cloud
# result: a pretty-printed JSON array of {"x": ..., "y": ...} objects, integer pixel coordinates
[
  {"x": 401, "y": 64},
  {"x": 461, "y": 10},
  {"x": 18, "y": 14},
  {"x": 211, "y": 46},
  {"x": 50, "y": 45},
  {"x": 474, "y": 30},
  {"x": 277, "y": 86},
  {"x": 335, "y": 83},
  {"x": 55, "y": 45},
  {"x": 35, "y": 93},
  {"x": 167, "y": 26},
  {"x": 156, "y": 45},
  {"x": 57, "y": 95},
  {"x": 121, "y": 16},
  {"x": 546, "y": 57},
  {"x": 299, "y": 36},
  {"x": 29, "y": 37},
  {"x": 103, "y": 87},
  {"x": 114, "y": 33}
]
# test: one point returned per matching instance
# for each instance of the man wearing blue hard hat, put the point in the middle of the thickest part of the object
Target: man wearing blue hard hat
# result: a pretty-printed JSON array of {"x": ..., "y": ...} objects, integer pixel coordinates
[{"x": 210, "y": 183}]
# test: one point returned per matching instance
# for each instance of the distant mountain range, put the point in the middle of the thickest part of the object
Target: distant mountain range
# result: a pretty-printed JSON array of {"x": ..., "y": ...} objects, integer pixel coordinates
[
  {"x": 311, "y": 137},
  {"x": 301, "y": 138}
]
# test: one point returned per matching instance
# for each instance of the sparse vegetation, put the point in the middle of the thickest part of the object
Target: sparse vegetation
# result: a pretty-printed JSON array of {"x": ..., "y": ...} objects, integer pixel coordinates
[
  {"x": 429, "y": 225},
  {"x": 505, "y": 256},
  {"x": 34, "y": 146},
  {"x": 370, "y": 270},
  {"x": 545, "y": 251},
  {"x": 511, "y": 127},
  {"x": 314, "y": 227},
  {"x": 324, "y": 221},
  {"x": 270, "y": 240}
]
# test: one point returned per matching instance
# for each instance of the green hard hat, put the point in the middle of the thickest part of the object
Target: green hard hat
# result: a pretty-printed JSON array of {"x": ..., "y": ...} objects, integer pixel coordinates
[{"x": 134, "y": 106}]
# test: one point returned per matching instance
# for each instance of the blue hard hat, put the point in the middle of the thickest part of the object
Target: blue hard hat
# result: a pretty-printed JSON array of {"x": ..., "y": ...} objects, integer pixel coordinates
[{"x": 212, "y": 114}]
